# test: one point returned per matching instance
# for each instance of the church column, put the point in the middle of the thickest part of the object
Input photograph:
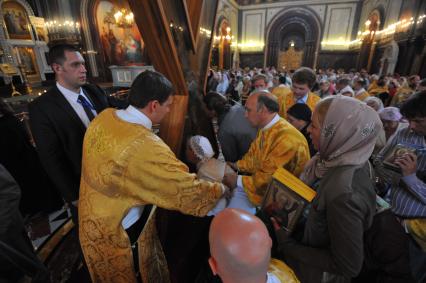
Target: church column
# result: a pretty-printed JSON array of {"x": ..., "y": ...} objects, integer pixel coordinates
[
  {"x": 273, "y": 53},
  {"x": 310, "y": 54}
]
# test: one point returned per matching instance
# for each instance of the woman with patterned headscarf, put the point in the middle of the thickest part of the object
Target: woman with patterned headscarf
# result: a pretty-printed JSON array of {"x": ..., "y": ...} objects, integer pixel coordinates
[{"x": 344, "y": 131}]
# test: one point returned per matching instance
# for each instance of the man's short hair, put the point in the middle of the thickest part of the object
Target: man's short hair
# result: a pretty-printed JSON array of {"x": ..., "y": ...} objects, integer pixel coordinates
[
  {"x": 260, "y": 77},
  {"x": 270, "y": 103},
  {"x": 361, "y": 82},
  {"x": 149, "y": 86},
  {"x": 415, "y": 106},
  {"x": 382, "y": 81},
  {"x": 282, "y": 79},
  {"x": 344, "y": 81},
  {"x": 57, "y": 53},
  {"x": 304, "y": 75}
]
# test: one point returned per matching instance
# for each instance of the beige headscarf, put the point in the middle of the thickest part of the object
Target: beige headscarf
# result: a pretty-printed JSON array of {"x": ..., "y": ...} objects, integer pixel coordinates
[{"x": 348, "y": 136}]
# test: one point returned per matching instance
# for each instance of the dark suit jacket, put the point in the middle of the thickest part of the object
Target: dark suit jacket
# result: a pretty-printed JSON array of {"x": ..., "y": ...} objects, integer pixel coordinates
[
  {"x": 20, "y": 158},
  {"x": 58, "y": 133},
  {"x": 14, "y": 237}
]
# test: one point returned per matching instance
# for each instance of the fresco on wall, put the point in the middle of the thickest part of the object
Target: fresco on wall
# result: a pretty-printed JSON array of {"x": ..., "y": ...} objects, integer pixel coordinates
[
  {"x": 26, "y": 57},
  {"x": 122, "y": 45},
  {"x": 16, "y": 20}
]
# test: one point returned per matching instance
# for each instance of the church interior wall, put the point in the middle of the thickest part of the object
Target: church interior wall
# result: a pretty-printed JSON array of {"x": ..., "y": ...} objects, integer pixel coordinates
[
  {"x": 339, "y": 24},
  {"x": 332, "y": 18}
]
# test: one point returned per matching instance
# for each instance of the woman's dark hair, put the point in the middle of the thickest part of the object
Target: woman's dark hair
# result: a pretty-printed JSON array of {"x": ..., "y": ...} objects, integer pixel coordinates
[
  {"x": 216, "y": 102},
  {"x": 415, "y": 106},
  {"x": 5, "y": 109},
  {"x": 149, "y": 86}
]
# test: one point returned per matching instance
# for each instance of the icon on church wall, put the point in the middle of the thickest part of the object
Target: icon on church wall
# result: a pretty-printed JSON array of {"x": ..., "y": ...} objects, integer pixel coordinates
[
  {"x": 16, "y": 20},
  {"x": 26, "y": 57},
  {"x": 120, "y": 38},
  {"x": 40, "y": 28}
]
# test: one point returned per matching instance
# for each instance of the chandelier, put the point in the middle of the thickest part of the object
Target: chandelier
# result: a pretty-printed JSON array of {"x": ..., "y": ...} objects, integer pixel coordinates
[
  {"x": 63, "y": 31},
  {"x": 124, "y": 18}
]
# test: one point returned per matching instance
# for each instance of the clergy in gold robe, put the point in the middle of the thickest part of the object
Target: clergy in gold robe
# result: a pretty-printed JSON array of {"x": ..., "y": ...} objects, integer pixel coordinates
[
  {"x": 361, "y": 94},
  {"x": 278, "y": 144},
  {"x": 303, "y": 81},
  {"x": 359, "y": 88},
  {"x": 288, "y": 100},
  {"x": 280, "y": 91},
  {"x": 281, "y": 271},
  {"x": 125, "y": 168},
  {"x": 401, "y": 95}
]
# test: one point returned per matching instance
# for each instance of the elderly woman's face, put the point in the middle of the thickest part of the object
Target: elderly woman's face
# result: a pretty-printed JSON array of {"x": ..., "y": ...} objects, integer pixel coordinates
[
  {"x": 314, "y": 130},
  {"x": 389, "y": 127}
]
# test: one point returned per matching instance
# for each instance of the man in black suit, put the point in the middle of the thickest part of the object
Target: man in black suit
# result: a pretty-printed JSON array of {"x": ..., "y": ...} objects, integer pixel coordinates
[
  {"x": 59, "y": 119},
  {"x": 17, "y": 256}
]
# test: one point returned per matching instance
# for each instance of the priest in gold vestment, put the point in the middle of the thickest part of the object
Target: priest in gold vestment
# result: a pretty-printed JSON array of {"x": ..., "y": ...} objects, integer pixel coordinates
[
  {"x": 125, "y": 168},
  {"x": 278, "y": 144}
]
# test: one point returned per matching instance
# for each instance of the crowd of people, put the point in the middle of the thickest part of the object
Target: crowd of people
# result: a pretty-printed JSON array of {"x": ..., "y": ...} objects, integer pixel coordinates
[{"x": 358, "y": 140}]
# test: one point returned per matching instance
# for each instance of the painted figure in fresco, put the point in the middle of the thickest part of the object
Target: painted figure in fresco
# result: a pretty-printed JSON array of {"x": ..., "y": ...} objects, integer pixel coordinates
[{"x": 10, "y": 22}]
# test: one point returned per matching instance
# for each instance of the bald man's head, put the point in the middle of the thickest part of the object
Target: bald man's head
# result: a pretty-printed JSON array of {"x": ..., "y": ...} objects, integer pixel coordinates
[
  {"x": 261, "y": 107},
  {"x": 240, "y": 246}
]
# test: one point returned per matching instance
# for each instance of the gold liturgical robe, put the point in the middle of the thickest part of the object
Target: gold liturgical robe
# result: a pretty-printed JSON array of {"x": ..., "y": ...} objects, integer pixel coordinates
[
  {"x": 282, "y": 145},
  {"x": 401, "y": 95},
  {"x": 284, "y": 273},
  {"x": 125, "y": 165},
  {"x": 362, "y": 96},
  {"x": 281, "y": 91},
  {"x": 288, "y": 100}
]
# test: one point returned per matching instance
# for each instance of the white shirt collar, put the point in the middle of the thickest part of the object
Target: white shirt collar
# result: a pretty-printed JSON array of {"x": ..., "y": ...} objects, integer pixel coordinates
[
  {"x": 303, "y": 99},
  {"x": 271, "y": 278},
  {"x": 273, "y": 122},
  {"x": 360, "y": 91},
  {"x": 132, "y": 115},
  {"x": 68, "y": 92}
]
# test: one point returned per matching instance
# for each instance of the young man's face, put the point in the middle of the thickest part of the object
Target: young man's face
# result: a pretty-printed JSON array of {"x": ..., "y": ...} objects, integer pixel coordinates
[
  {"x": 161, "y": 110},
  {"x": 72, "y": 73},
  {"x": 300, "y": 90},
  {"x": 259, "y": 84},
  {"x": 418, "y": 125}
]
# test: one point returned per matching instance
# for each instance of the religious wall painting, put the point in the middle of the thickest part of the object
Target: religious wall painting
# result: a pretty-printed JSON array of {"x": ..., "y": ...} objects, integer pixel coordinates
[
  {"x": 40, "y": 28},
  {"x": 16, "y": 20},
  {"x": 121, "y": 43},
  {"x": 26, "y": 57}
]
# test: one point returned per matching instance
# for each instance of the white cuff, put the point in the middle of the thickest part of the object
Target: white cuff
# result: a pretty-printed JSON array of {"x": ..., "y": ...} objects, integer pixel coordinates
[{"x": 240, "y": 181}]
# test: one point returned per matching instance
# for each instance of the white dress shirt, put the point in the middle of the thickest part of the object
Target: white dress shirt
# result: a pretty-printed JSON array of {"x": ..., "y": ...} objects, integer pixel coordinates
[
  {"x": 303, "y": 99},
  {"x": 133, "y": 115},
  {"x": 72, "y": 98},
  {"x": 271, "y": 278}
]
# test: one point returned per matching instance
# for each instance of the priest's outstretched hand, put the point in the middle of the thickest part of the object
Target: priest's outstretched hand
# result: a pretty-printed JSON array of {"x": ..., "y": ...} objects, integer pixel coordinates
[{"x": 230, "y": 180}]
